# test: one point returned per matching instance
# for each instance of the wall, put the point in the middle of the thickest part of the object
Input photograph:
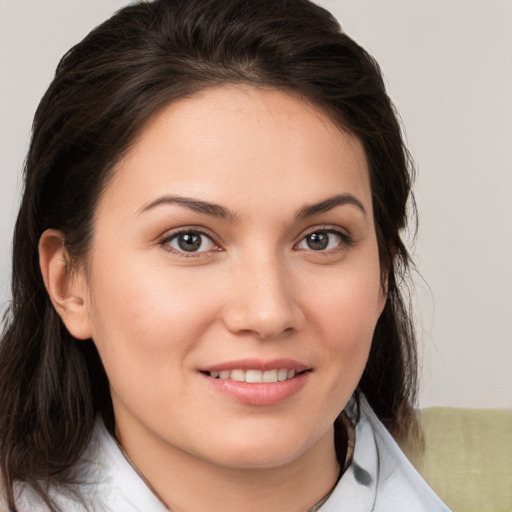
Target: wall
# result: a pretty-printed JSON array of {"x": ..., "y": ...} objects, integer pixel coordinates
[{"x": 448, "y": 68}]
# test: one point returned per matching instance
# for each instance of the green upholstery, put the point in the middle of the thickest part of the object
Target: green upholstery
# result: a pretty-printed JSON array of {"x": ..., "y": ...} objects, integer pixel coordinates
[{"x": 467, "y": 458}]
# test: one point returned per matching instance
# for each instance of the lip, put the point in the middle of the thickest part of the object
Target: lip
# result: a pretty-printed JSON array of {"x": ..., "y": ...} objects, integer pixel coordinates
[
  {"x": 257, "y": 364},
  {"x": 258, "y": 394}
]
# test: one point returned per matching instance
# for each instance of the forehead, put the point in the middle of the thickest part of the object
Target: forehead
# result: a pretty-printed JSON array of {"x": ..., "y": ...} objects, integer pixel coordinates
[{"x": 236, "y": 144}]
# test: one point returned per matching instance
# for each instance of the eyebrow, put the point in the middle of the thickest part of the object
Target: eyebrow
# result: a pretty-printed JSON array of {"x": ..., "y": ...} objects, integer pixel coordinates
[
  {"x": 195, "y": 205},
  {"x": 329, "y": 204},
  {"x": 216, "y": 210}
]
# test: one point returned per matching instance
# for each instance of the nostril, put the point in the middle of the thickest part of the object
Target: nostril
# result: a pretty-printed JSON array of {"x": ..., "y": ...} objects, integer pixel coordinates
[
  {"x": 265, "y": 312},
  {"x": 285, "y": 331}
]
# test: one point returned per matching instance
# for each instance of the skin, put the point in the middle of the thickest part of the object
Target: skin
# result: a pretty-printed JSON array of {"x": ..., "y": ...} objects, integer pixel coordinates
[{"x": 255, "y": 289}]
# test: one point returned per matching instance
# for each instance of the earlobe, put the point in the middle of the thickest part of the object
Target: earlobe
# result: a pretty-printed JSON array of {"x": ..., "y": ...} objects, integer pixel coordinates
[{"x": 65, "y": 286}]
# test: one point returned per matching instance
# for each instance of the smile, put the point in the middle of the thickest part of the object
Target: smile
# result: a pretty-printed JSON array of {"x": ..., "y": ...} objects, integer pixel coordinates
[
  {"x": 256, "y": 382},
  {"x": 255, "y": 376}
]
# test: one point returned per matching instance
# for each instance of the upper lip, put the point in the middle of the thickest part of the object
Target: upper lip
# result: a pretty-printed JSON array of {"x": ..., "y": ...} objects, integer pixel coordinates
[{"x": 257, "y": 364}]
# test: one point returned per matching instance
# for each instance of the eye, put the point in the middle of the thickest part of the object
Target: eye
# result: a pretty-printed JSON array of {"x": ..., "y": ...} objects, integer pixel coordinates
[
  {"x": 190, "y": 242},
  {"x": 321, "y": 240}
]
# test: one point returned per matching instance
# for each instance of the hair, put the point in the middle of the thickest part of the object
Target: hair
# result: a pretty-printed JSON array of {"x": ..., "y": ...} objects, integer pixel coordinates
[{"x": 105, "y": 89}]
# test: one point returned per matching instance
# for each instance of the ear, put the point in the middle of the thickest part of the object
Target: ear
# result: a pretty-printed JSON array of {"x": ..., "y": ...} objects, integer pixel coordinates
[{"x": 66, "y": 286}]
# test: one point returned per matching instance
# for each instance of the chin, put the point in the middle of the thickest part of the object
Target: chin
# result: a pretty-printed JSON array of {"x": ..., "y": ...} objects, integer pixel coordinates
[
  {"x": 262, "y": 452},
  {"x": 259, "y": 459}
]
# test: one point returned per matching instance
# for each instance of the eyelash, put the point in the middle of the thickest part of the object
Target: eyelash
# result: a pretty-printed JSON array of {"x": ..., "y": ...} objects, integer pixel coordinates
[
  {"x": 184, "y": 254},
  {"x": 346, "y": 241}
]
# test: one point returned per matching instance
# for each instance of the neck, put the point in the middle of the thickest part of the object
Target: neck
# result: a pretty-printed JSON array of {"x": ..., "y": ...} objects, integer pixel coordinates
[{"x": 186, "y": 483}]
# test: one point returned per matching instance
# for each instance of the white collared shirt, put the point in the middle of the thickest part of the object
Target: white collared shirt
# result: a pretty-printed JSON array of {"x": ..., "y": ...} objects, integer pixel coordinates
[{"x": 379, "y": 479}]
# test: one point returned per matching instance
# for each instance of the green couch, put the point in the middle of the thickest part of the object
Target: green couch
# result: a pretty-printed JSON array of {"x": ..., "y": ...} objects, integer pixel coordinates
[{"x": 467, "y": 457}]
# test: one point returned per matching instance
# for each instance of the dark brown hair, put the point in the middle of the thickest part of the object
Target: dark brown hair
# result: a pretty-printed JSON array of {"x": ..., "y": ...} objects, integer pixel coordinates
[{"x": 104, "y": 91}]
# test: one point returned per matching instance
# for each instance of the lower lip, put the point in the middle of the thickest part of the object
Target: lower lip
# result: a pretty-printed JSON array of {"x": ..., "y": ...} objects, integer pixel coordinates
[{"x": 270, "y": 393}]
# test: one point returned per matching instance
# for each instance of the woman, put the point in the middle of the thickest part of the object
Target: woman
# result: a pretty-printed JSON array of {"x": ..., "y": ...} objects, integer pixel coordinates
[{"x": 205, "y": 305}]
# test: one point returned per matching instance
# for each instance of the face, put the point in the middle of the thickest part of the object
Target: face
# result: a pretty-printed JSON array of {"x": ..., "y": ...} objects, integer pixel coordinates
[{"x": 233, "y": 284}]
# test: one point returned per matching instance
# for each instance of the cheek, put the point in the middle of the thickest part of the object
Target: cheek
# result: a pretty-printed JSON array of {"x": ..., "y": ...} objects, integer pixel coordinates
[
  {"x": 346, "y": 313},
  {"x": 349, "y": 304},
  {"x": 149, "y": 320}
]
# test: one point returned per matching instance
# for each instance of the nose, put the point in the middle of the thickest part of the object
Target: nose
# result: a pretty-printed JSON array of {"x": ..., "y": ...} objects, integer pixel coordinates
[{"x": 263, "y": 300}]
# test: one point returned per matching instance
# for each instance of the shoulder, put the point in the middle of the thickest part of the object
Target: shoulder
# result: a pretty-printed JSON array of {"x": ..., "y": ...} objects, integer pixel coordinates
[
  {"x": 107, "y": 483},
  {"x": 380, "y": 478},
  {"x": 398, "y": 479},
  {"x": 3, "y": 503},
  {"x": 27, "y": 499}
]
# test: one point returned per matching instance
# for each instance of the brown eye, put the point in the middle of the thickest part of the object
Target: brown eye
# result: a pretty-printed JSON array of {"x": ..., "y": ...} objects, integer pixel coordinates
[
  {"x": 317, "y": 241},
  {"x": 321, "y": 241},
  {"x": 190, "y": 241}
]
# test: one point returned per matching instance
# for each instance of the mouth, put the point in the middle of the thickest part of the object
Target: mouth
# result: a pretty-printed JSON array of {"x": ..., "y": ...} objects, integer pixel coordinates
[
  {"x": 255, "y": 376},
  {"x": 256, "y": 382}
]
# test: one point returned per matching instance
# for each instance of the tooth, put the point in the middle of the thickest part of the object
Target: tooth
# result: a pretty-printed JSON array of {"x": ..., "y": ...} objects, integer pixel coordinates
[
  {"x": 238, "y": 375},
  {"x": 282, "y": 374},
  {"x": 269, "y": 376},
  {"x": 253, "y": 375}
]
